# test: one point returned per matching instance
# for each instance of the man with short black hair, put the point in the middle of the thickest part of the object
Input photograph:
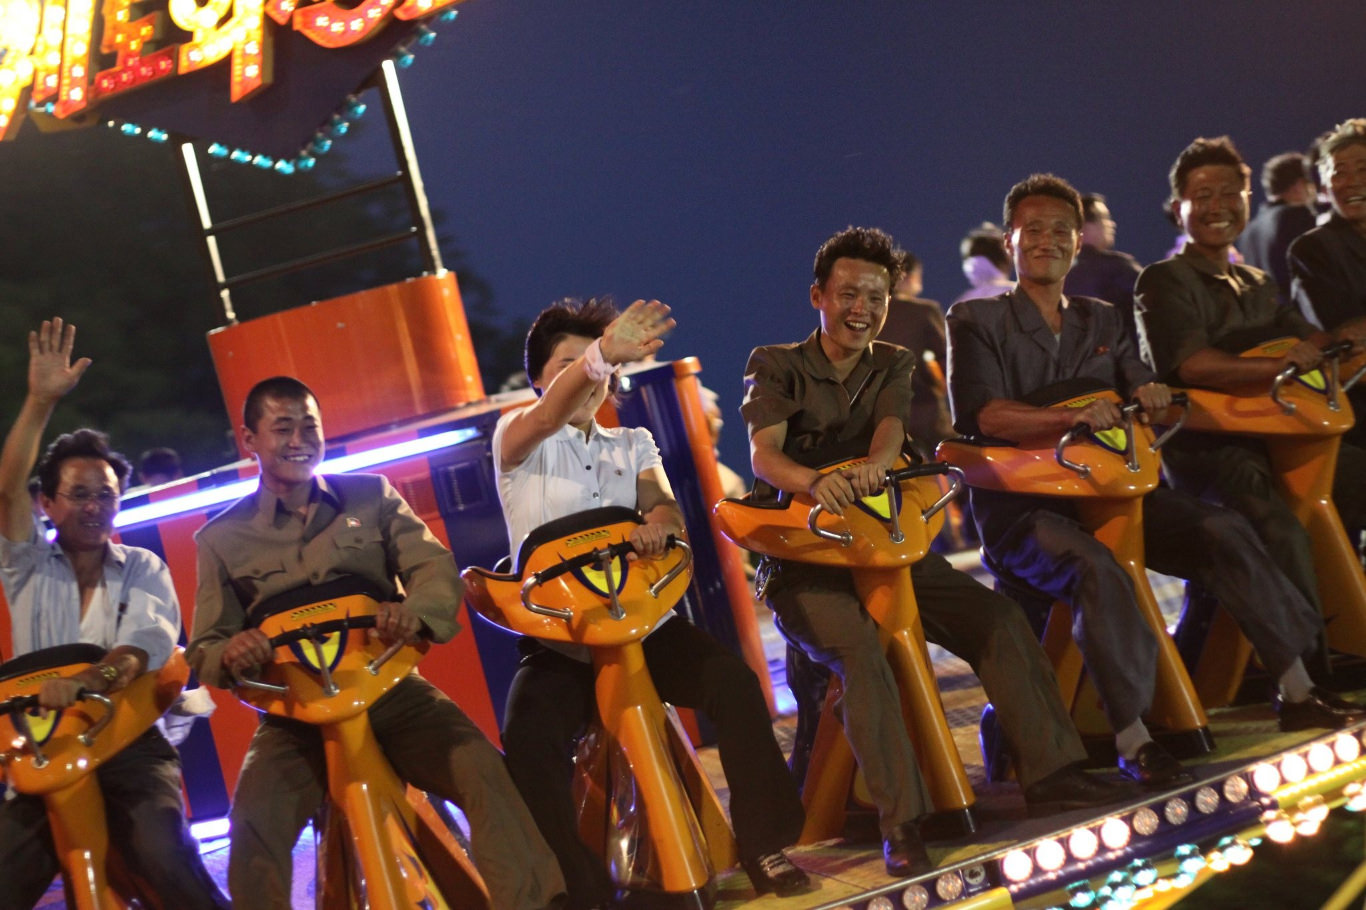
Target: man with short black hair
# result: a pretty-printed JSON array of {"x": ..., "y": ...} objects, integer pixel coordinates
[
  {"x": 1328, "y": 264},
  {"x": 1101, "y": 271},
  {"x": 840, "y": 393},
  {"x": 1197, "y": 314},
  {"x": 1285, "y": 215},
  {"x": 82, "y": 587},
  {"x": 300, "y": 528}
]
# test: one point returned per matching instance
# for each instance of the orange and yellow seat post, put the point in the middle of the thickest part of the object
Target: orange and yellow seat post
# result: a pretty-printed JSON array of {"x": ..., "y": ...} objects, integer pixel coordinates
[
  {"x": 1111, "y": 474},
  {"x": 406, "y": 857},
  {"x": 71, "y": 745},
  {"x": 688, "y": 833},
  {"x": 879, "y": 553},
  {"x": 1300, "y": 422}
]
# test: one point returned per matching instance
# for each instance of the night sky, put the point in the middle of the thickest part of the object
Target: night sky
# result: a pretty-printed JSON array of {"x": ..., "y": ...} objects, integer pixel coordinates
[{"x": 700, "y": 152}]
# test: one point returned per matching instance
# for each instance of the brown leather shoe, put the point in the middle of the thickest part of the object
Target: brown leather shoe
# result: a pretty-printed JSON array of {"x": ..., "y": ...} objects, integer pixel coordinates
[
  {"x": 775, "y": 872},
  {"x": 1322, "y": 709},
  {"x": 1154, "y": 768},
  {"x": 904, "y": 852},
  {"x": 1071, "y": 788}
]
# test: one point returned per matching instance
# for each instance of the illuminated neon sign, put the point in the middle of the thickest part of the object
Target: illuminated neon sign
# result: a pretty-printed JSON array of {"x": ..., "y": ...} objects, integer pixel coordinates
[{"x": 66, "y": 56}]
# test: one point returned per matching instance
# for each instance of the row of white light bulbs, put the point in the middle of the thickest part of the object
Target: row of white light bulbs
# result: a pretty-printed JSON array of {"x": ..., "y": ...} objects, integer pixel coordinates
[{"x": 1050, "y": 854}]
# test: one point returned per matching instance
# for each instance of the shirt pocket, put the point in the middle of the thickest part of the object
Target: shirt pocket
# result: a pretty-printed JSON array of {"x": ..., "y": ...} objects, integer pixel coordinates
[
  {"x": 261, "y": 567},
  {"x": 352, "y": 539}
]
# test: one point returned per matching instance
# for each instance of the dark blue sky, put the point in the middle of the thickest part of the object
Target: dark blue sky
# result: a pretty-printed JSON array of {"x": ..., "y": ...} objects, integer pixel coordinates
[{"x": 699, "y": 152}]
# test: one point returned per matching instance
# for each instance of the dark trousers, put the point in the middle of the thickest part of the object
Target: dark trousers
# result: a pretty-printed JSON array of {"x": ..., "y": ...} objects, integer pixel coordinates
[
  {"x": 817, "y": 610},
  {"x": 1050, "y": 551},
  {"x": 141, "y": 787},
  {"x": 432, "y": 745},
  {"x": 1237, "y": 473},
  {"x": 552, "y": 698}
]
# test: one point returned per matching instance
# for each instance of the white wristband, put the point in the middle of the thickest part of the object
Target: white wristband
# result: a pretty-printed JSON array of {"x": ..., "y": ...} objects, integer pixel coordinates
[{"x": 593, "y": 364}]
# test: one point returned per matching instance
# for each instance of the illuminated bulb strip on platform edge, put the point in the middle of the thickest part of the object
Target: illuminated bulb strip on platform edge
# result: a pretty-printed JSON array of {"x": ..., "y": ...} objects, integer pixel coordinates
[{"x": 228, "y": 492}]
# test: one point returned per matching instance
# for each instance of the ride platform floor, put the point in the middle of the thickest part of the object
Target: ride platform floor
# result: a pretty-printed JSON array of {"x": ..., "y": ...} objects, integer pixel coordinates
[{"x": 844, "y": 870}]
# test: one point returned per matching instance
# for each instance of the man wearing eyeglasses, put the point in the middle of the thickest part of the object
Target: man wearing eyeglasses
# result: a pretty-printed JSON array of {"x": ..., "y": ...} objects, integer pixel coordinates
[{"x": 81, "y": 587}]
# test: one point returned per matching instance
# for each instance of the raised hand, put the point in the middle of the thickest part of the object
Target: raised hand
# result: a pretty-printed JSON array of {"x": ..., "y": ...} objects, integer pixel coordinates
[
  {"x": 51, "y": 374},
  {"x": 636, "y": 333}
]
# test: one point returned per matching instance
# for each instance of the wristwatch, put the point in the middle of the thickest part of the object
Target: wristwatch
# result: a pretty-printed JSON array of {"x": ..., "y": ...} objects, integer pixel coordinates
[{"x": 108, "y": 673}]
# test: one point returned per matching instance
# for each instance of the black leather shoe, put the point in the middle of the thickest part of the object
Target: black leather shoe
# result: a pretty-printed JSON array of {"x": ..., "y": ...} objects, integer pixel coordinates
[
  {"x": 1154, "y": 768},
  {"x": 775, "y": 872},
  {"x": 904, "y": 853},
  {"x": 1322, "y": 709},
  {"x": 1071, "y": 788}
]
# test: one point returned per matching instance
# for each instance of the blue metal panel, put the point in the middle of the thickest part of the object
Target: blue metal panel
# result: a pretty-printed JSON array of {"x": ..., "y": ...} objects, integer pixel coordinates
[{"x": 650, "y": 399}]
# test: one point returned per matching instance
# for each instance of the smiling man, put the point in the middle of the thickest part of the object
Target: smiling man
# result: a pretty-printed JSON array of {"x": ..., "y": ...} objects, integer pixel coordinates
[
  {"x": 1328, "y": 264},
  {"x": 1196, "y": 313},
  {"x": 1012, "y": 356},
  {"x": 301, "y": 528},
  {"x": 84, "y": 588},
  {"x": 840, "y": 394}
]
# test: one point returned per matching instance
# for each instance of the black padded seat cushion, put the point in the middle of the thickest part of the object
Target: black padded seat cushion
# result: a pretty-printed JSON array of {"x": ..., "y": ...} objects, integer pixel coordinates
[
  {"x": 43, "y": 658},
  {"x": 573, "y": 524},
  {"x": 303, "y": 596}
]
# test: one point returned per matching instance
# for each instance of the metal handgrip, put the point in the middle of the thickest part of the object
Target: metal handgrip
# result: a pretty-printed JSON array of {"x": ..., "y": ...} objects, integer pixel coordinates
[
  {"x": 374, "y": 665},
  {"x": 1356, "y": 377},
  {"x": 553, "y": 612},
  {"x": 843, "y": 538},
  {"x": 40, "y": 759},
  {"x": 1281, "y": 379},
  {"x": 956, "y": 481},
  {"x": 245, "y": 683},
  {"x": 676, "y": 570},
  {"x": 1180, "y": 400},
  {"x": 1128, "y": 412},
  {"x": 88, "y": 736},
  {"x": 1067, "y": 439}
]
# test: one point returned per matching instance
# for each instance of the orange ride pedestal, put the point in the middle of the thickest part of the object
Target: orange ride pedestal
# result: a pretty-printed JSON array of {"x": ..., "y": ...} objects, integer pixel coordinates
[
  {"x": 1106, "y": 476},
  {"x": 1300, "y": 421},
  {"x": 573, "y": 584},
  {"x": 878, "y": 540},
  {"x": 55, "y": 754},
  {"x": 328, "y": 672}
]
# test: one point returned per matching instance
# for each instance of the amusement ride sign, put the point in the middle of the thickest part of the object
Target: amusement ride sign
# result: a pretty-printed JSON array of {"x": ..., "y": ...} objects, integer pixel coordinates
[{"x": 195, "y": 67}]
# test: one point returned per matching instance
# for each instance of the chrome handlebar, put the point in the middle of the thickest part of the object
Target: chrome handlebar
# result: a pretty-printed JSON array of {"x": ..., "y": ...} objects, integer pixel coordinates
[{"x": 604, "y": 557}]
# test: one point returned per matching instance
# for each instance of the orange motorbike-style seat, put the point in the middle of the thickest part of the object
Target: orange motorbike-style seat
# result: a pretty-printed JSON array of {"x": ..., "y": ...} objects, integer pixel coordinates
[
  {"x": 53, "y": 754},
  {"x": 1300, "y": 420},
  {"x": 327, "y": 671},
  {"x": 573, "y": 583},
  {"x": 878, "y": 540},
  {"x": 1105, "y": 475}
]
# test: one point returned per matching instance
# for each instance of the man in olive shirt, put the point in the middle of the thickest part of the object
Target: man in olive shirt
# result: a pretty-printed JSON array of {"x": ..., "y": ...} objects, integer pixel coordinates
[
  {"x": 1196, "y": 313},
  {"x": 302, "y": 529},
  {"x": 839, "y": 394}
]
